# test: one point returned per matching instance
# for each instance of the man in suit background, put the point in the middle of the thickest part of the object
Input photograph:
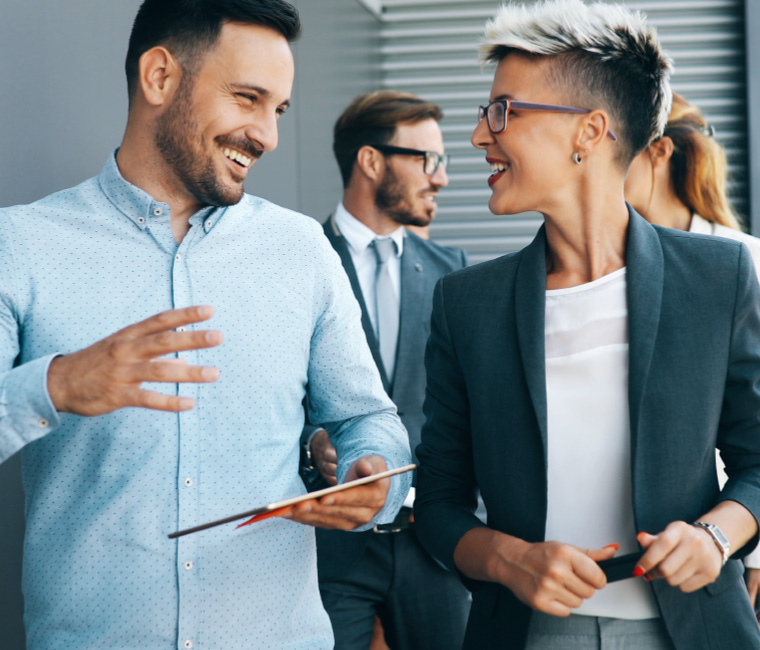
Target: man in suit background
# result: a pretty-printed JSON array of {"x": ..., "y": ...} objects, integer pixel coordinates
[{"x": 389, "y": 148}]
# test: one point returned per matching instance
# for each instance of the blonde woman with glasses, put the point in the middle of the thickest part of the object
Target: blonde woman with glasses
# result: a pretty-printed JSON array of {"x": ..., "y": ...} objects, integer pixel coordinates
[{"x": 584, "y": 383}]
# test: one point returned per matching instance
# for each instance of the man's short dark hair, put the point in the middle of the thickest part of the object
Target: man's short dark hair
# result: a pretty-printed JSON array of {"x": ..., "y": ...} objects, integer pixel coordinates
[
  {"x": 189, "y": 28},
  {"x": 372, "y": 118}
]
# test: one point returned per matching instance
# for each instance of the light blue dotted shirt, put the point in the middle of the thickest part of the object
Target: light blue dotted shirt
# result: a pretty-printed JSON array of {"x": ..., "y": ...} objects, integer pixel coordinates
[{"x": 104, "y": 492}]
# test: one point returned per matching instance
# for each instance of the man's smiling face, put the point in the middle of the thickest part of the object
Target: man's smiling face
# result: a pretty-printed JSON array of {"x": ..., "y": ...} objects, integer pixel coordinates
[{"x": 223, "y": 118}]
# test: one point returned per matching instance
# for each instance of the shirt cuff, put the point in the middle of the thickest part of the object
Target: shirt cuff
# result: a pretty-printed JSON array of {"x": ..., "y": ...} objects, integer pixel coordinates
[
  {"x": 400, "y": 484},
  {"x": 26, "y": 410}
]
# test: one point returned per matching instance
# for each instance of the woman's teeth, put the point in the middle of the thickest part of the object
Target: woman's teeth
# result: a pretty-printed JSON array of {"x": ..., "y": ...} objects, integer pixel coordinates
[
  {"x": 499, "y": 167},
  {"x": 238, "y": 157}
]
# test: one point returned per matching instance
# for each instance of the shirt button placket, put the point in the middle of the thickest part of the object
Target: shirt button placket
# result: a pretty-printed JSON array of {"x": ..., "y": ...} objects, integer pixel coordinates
[{"x": 188, "y": 495}]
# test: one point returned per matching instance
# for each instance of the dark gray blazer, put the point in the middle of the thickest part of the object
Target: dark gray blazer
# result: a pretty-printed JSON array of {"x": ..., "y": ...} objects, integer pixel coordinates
[
  {"x": 423, "y": 263},
  {"x": 694, "y": 384}
]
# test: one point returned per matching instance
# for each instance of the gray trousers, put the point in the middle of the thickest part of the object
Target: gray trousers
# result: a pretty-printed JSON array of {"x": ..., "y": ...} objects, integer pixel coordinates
[{"x": 596, "y": 633}]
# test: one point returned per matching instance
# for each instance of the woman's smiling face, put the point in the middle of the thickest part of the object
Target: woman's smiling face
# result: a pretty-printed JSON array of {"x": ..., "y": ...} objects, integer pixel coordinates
[{"x": 531, "y": 159}]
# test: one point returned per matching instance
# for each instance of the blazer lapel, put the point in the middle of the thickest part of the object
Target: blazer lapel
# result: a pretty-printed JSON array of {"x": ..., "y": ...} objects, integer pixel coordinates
[
  {"x": 645, "y": 277},
  {"x": 530, "y": 314},
  {"x": 341, "y": 247}
]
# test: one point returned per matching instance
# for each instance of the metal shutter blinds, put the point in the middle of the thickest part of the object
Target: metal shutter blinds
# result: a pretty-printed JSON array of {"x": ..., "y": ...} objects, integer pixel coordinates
[{"x": 429, "y": 48}]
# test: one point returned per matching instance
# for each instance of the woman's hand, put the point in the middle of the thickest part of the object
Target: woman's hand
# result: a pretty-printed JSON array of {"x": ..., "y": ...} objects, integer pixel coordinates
[
  {"x": 682, "y": 554},
  {"x": 550, "y": 577},
  {"x": 556, "y": 578}
]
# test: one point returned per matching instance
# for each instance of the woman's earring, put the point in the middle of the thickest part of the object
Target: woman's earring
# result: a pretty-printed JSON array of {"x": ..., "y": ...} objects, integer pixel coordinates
[{"x": 576, "y": 158}]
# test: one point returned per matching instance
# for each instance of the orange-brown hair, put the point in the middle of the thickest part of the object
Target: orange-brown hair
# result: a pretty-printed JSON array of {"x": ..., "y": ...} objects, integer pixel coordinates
[{"x": 698, "y": 167}]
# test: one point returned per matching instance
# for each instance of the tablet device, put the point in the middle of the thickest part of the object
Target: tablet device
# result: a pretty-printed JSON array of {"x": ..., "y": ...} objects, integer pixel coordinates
[{"x": 279, "y": 505}]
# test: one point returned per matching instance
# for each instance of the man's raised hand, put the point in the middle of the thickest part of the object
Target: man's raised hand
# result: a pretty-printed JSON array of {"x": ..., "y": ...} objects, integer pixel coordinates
[{"x": 108, "y": 375}]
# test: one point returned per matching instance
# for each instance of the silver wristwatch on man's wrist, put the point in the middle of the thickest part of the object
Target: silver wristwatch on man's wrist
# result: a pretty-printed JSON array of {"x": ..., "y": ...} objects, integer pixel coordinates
[{"x": 721, "y": 541}]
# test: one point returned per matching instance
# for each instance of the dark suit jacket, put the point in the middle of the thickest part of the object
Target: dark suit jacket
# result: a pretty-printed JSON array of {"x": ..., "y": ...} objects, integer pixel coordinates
[
  {"x": 694, "y": 384},
  {"x": 423, "y": 263}
]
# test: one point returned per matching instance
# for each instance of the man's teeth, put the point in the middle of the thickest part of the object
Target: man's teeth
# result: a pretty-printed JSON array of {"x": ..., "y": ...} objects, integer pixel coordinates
[
  {"x": 238, "y": 157},
  {"x": 499, "y": 167}
]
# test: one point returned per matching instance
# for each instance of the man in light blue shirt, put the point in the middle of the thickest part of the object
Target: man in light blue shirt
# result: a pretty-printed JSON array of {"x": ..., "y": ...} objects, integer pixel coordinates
[{"x": 166, "y": 229}]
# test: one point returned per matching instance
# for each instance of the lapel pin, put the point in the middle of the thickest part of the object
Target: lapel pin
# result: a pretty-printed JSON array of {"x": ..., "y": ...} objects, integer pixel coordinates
[{"x": 418, "y": 267}]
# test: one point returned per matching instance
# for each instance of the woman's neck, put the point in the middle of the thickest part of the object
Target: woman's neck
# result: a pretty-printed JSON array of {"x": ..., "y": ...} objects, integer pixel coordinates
[
  {"x": 587, "y": 241},
  {"x": 667, "y": 210}
]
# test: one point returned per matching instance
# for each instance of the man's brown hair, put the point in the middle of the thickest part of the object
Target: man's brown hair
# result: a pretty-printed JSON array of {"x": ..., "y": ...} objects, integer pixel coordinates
[{"x": 372, "y": 118}]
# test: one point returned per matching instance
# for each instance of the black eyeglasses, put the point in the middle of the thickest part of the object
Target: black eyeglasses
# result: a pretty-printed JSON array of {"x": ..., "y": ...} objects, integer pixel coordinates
[
  {"x": 497, "y": 112},
  {"x": 432, "y": 158}
]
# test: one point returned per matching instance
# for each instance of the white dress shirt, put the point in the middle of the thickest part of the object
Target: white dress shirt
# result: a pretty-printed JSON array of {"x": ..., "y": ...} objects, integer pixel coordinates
[{"x": 359, "y": 237}]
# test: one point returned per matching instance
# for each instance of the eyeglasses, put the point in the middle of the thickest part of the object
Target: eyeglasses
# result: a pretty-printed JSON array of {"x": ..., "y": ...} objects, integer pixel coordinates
[
  {"x": 432, "y": 158},
  {"x": 497, "y": 112}
]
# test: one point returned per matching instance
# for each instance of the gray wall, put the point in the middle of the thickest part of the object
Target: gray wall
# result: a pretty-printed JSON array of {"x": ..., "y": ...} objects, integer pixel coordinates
[
  {"x": 63, "y": 109},
  {"x": 752, "y": 19}
]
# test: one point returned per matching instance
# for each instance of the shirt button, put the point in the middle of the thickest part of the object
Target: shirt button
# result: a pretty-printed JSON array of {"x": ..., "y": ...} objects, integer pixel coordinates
[
  {"x": 43, "y": 423},
  {"x": 208, "y": 224},
  {"x": 188, "y": 482},
  {"x": 178, "y": 257},
  {"x": 180, "y": 329},
  {"x": 158, "y": 212},
  {"x": 140, "y": 220},
  {"x": 188, "y": 644},
  {"x": 188, "y": 565}
]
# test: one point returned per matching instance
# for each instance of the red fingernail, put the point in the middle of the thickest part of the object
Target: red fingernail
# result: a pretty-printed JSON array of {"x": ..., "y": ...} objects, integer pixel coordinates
[
  {"x": 638, "y": 537},
  {"x": 615, "y": 546},
  {"x": 638, "y": 572}
]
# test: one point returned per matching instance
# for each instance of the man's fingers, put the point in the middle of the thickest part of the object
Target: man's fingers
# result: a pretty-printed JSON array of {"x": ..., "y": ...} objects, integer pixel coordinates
[
  {"x": 158, "y": 401},
  {"x": 157, "y": 345},
  {"x": 169, "y": 320},
  {"x": 165, "y": 371}
]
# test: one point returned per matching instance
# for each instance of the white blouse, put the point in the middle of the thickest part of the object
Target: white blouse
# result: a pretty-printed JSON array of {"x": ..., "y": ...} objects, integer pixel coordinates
[{"x": 590, "y": 502}]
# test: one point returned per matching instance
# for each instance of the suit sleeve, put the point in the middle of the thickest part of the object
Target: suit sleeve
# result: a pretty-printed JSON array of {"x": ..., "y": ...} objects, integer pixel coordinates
[
  {"x": 446, "y": 496},
  {"x": 739, "y": 432}
]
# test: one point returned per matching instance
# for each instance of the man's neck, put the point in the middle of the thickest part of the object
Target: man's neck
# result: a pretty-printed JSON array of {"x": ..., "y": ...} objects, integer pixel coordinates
[
  {"x": 364, "y": 210},
  {"x": 140, "y": 164}
]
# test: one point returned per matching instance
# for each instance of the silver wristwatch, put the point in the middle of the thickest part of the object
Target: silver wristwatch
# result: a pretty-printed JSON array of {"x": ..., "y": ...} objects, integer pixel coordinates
[{"x": 721, "y": 541}]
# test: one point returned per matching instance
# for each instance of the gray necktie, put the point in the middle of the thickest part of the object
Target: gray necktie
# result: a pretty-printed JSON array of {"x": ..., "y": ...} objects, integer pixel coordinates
[{"x": 386, "y": 305}]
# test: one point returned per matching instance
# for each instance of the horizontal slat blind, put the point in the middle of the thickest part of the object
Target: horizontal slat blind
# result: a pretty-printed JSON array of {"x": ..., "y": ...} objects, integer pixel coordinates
[{"x": 430, "y": 48}]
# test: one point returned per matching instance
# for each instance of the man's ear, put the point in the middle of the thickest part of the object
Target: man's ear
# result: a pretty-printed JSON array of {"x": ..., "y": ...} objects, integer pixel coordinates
[
  {"x": 661, "y": 151},
  {"x": 159, "y": 75},
  {"x": 370, "y": 162}
]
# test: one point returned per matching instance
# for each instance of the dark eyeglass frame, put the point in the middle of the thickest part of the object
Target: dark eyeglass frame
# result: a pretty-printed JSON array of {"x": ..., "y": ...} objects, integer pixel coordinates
[
  {"x": 432, "y": 158},
  {"x": 509, "y": 104}
]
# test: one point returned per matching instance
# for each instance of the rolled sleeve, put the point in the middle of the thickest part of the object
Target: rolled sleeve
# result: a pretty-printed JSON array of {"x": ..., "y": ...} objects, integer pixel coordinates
[{"x": 345, "y": 389}]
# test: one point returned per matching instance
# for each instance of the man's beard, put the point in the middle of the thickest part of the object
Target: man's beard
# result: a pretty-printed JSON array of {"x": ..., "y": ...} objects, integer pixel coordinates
[
  {"x": 179, "y": 140},
  {"x": 391, "y": 199}
]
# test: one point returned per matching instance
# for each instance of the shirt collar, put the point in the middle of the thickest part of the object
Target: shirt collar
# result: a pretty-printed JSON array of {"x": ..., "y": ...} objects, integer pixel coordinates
[
  {"x": 137, "y": 204},
  {"x": 358, "y": 236}
]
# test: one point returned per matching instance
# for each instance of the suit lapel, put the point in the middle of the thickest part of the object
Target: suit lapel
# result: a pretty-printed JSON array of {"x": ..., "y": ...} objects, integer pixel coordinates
[
  {"x": 645, "y": 277},
  {"x": 530, "y": 310},
  {"x": 341, "y": 247}
]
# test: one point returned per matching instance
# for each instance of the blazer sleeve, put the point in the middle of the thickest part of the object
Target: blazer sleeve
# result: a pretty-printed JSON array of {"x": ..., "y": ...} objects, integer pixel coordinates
[
  {"x": 739, "y": 431},
  {"x": 446, "y": 496}
]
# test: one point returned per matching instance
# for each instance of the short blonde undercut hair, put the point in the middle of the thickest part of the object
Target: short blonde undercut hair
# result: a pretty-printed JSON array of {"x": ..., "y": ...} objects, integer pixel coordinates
[{"x": 604, "y": 53}]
